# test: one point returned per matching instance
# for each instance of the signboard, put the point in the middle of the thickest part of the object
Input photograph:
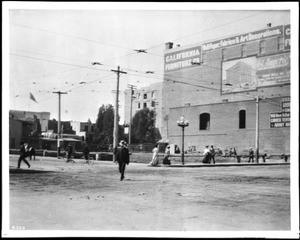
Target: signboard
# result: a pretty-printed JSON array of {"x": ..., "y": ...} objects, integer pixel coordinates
[
  {"x": 273, "y": 70},
  {"x": 287, "y": 37},
  {"x": 239, "y": 75},
  {"x": 286, "y": 104},
  {"x": 182, "y": 59},
  {"x": 279, "y": 120},
  {"x": 245, "y": 38},
  {"x": 246, "y": 74}
]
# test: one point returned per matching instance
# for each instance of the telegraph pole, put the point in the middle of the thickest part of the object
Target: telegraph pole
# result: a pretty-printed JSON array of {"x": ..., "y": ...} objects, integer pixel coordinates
[
  {"x": 58, "y": 125},
  {"x": 257, "y": 129},
  {"x": 116, "y": 116},
  {"x": 130, "y": 116}
]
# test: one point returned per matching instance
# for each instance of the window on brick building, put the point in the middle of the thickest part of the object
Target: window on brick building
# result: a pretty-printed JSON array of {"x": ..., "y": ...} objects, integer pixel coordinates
[
  {"x": 153, "y": 104},
  {"x": 145, "y": 105},
  {"x": 262, "y": 46},
  {"x": 139, "y": 105},
  {"x": 224, "y": 54},
  {"x": 152, "y": 94},
  {"x": 242, "y": 119},
  {"x": 204, "y": 58},
  {"x": 145, "y": 96},
  {"x": 244, "y": 50},
  {"x": 204, "y": 121},
  {"x": 280, "y": 43}
]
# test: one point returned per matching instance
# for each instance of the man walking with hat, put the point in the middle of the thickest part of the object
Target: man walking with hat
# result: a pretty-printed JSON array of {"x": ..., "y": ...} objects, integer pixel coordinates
[{"x": 122, "y": 158}]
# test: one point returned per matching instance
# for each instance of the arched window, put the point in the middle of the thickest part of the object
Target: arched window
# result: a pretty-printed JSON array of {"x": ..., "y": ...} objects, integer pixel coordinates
[
  {"x": 242, "y": 119},
  {"x": 204, "y": 121}
]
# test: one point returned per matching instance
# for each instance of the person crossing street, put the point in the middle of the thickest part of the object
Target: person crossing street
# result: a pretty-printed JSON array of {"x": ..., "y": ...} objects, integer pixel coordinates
[{"x": 122, "y": 158}]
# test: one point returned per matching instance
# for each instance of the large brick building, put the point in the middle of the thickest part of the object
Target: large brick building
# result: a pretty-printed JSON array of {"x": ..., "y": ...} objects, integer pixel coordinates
[{"x": 215, "y": 86}]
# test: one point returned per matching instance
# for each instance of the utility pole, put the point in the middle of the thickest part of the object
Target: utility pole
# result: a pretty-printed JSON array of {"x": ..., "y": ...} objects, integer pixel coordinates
[
  {"x": 116, "y": 116},
  {"x": 58, "y": 125},
  {"x": 130, "y": 116},
  {"x": 257, "y": 129}
]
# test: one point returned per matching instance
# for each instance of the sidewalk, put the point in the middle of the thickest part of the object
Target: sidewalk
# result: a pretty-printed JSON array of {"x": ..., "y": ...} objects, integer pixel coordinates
[{"x": 228, "y": 164}]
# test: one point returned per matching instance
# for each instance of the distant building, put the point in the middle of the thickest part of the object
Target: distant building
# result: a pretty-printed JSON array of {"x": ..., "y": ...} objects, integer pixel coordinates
[
  {"x": 37, "y": 128},
  {"x": 84, "y": 129},
  {"x": 43, "y": 117},
  {"x": 145, "y": 97}
]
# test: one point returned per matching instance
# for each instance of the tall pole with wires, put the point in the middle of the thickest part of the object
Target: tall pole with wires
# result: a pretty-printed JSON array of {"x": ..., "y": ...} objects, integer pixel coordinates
[
  {"x": 58, "y": 125},
  {"x": 116, "y": 115},
  {"x": 131, "y": 87},
  {"x": 257, "y": 129}
]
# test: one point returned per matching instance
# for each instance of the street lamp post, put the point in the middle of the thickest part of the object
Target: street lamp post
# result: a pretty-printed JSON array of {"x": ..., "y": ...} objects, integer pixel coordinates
[{"x": 182, "y": 123}]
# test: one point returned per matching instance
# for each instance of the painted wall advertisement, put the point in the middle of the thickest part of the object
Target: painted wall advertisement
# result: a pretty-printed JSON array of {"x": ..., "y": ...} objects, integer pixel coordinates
[
  {"x": 287, "y": 37},
  {"x": 251, "y": 73},
  {"x": 239, "y": 75},
  {"x": 182, "y": 59},
  {"x": 281, "y": 119},
  {"x": 253, "y": 36},
  {"x": 273, "y": 70}
]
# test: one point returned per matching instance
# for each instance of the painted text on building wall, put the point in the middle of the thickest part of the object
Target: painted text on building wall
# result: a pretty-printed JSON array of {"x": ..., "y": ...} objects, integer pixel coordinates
[{"x": 182, "y": 59}]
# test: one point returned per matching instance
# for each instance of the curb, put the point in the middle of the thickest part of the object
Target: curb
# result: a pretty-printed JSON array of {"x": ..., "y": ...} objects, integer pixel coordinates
[{"x": 229, "y": 164}]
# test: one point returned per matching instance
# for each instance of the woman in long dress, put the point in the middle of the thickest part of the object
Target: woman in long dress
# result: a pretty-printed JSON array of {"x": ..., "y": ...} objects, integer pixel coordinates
[{"x": 154, "y": 161}]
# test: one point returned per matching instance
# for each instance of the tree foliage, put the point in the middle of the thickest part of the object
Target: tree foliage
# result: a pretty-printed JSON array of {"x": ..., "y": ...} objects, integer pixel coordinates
[
  {"x": 104, "y": 125},
  {"x": 143, "y": 126}
]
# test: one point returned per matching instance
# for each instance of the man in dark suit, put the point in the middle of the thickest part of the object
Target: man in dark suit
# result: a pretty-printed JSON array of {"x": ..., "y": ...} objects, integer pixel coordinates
[
  {"x": 23, "y": 154},
  {"x": 122, "y": 158}
]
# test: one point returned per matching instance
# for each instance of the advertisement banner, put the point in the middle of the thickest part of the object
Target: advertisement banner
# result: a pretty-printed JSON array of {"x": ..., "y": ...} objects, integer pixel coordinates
[
  {"x": 239, "y": 75},
  {"x": 250, "y": 73},
  {"x": 279, "y": 119},
  {"x": 286, "y": 104},
  {"x": 245, "y": 38},
  {"x": 273, "y": 70},
  {"x": 182, "y": 59}
]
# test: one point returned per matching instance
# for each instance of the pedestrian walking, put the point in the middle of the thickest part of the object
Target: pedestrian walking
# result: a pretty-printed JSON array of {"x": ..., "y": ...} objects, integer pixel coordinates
[
  {"x": 212, "y": 154},
  {"x": 154, "y": 161},
  {"x": 285, "y": 157},
  {"x": 31, "y": 153},
  {"x": 251, "y": 155},
  {"x": 69, "y": 151},
  {"x": 166, "y": 160},
  {"x": 122, "y": 158},
  {"x": 23, "y": 154},
  {"x": 86, "y": 152},
  {"x": 206, "y": 153}
]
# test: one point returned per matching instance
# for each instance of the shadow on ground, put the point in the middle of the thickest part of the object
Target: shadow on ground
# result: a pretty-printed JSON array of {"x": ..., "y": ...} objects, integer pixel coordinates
[{"x": 28, "y": 171}]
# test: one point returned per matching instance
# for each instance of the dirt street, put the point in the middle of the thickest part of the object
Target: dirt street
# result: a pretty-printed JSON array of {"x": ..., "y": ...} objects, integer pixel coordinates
[{"x": 55, "y": 195}]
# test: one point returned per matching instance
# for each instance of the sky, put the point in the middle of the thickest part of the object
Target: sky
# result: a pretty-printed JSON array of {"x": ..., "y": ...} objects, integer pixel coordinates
[{"x": 50, "y": 47}]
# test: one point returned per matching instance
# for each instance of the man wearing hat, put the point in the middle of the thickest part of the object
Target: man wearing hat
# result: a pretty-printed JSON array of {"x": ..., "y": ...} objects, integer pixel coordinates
[
  {"x": 23, "y": 154},
  {"x": 122, "y": 157},
  {"x": 251, "y": 155}
]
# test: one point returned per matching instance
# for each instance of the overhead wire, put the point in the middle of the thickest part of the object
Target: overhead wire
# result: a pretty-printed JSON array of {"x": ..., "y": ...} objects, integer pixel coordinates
[{"x": 132, "y": 49}]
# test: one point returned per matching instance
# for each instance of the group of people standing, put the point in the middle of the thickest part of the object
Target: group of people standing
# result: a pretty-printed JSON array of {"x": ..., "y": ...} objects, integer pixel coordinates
[
  {"x": 209, "y": 154},
  {"x": 166, "y": 161}
]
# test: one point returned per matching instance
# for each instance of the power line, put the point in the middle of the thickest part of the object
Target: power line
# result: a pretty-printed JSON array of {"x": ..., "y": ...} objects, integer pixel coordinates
[
  {"x": 222, "y": 25},
  {"x": 70, "y": 36}
]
